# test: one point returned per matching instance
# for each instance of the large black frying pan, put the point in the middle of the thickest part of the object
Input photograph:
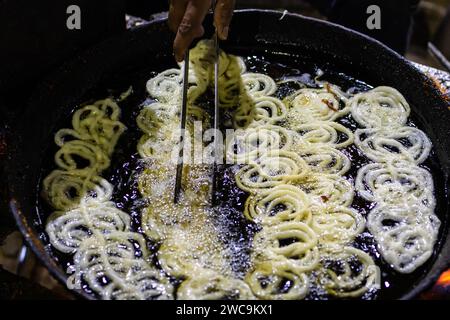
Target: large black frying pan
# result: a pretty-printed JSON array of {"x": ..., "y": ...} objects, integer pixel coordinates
[{"x": 255, "y": 30}]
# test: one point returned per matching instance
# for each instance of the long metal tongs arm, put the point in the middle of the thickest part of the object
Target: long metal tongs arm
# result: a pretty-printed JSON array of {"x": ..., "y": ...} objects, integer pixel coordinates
[{"x": 184, "y": 103}]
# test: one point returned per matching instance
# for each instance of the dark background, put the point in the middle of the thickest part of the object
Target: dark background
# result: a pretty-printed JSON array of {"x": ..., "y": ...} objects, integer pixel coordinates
[{"x": 34, "y": 38}]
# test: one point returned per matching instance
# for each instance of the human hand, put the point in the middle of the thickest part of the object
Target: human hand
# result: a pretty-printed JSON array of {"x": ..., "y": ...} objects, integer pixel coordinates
[{"x": 186, "y": 18}]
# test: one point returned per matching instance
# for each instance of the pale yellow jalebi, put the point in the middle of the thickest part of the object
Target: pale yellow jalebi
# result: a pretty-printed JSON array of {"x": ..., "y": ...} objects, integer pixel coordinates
[
  {"x": 404, "y": 222},
  {"x": 288, "y": 153},
  {"x": 111, "y": 259}
]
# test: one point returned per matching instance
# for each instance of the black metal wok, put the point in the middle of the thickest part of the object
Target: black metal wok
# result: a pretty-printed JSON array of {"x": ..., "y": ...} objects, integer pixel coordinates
[{"x": 261, "y": 31}]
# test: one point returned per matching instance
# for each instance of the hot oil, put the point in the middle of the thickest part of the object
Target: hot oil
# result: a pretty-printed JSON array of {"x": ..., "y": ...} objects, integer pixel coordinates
[
  {"x": 304, "y": 70},
  {"x": 233, "y": 230}
]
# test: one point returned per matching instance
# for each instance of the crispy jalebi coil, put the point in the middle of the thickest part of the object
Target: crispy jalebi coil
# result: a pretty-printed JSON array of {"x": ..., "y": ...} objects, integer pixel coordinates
[{"x": 380, "y": 107}]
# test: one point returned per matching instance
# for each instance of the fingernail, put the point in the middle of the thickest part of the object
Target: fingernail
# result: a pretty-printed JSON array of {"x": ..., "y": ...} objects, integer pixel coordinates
[{"x": 224, "y": 33}]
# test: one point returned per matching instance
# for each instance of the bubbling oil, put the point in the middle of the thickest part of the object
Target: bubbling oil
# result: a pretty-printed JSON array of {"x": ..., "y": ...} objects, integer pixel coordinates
[{"x": 221, "y": 237}]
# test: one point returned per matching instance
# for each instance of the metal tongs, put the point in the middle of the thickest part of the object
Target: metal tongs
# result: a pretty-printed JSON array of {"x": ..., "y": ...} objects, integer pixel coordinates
[
  {"x": 215, "y": 115},
  {"x": 184, "y": 103}
]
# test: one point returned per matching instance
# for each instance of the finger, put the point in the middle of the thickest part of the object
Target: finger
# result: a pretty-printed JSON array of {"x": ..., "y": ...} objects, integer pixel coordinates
[
  {"x": 190, "y": 26},
  {"x": 177, "y": 9},
  {"x": 222, "y": 17}
]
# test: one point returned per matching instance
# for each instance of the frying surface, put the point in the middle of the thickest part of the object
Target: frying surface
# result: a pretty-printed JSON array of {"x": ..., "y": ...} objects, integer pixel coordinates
[{"x": 237, "y": 232}]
